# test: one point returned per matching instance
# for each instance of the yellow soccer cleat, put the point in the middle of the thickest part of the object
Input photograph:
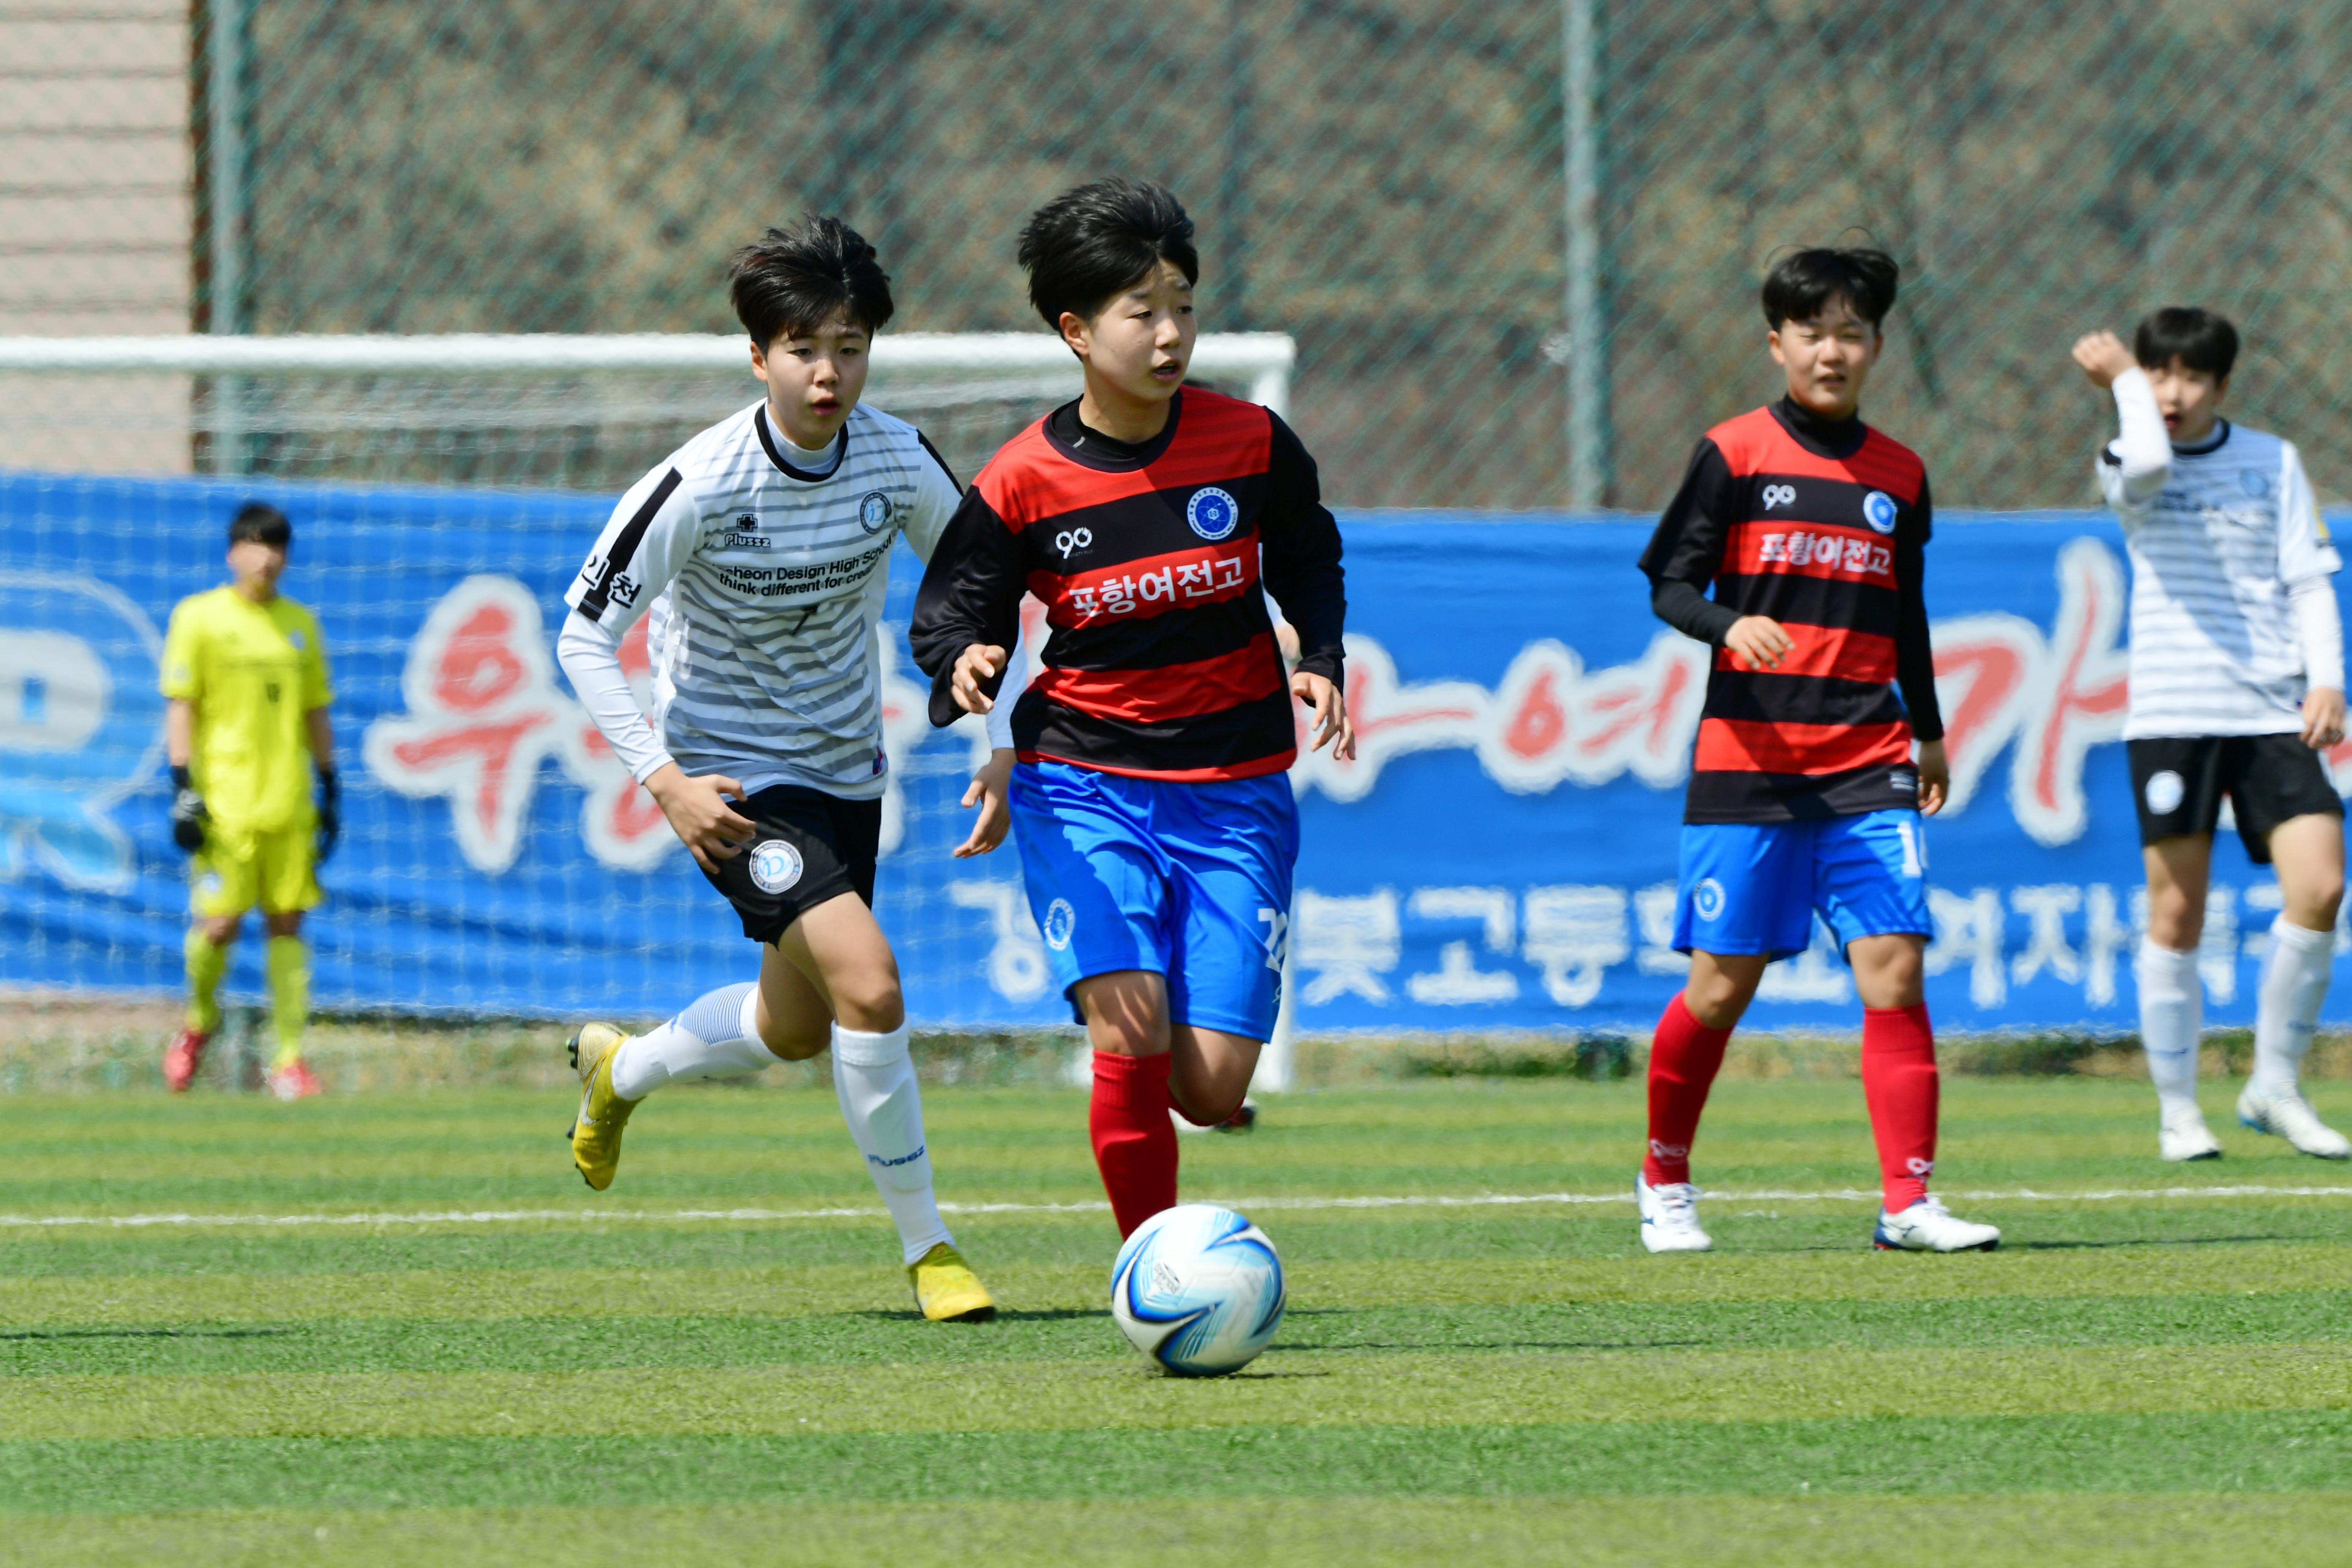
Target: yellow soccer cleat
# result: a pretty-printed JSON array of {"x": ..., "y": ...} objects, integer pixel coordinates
[
  {"x": 947, "y": 1290},
  {"x": 596, "y": 1133}
]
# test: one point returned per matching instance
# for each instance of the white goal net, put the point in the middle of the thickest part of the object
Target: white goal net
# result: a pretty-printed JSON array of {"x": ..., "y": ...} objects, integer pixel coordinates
[{"x": 496, "y": 857}]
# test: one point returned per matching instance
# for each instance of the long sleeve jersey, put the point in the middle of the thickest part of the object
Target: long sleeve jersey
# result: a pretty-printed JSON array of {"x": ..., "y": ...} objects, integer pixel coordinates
[
  {"x": 1148, "y": 558},
  {"x": 1821, "y": 525},
  {"x": 762, "y": 581},
  {"x": 2233, "y": 614}
]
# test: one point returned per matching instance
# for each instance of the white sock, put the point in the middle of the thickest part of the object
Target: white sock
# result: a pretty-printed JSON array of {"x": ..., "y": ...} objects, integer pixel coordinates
[
  {"x": 2294, "y": 983},
  {"x": 718, "y": 1036},
  {"x": 2171, "y": 1020},
  {"x": 874, "y": 1078}
]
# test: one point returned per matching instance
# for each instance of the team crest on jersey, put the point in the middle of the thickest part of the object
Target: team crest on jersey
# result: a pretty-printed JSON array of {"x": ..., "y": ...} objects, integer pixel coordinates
[
  {"x": 1878, "y": 510},
  {"x": 775, "y": 866},
  {"x": 2255, "y": 483},
  {"x": 873, "y": 511},
  {"x": 1061, "y": 922},
  {"x": 1707, "y": 898},
  {"x": 1213, "y": 513},
  {"x": 295, "y": 637}
]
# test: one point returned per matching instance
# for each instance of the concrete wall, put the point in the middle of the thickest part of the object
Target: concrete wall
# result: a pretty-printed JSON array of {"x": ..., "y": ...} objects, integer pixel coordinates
[{"x": 96, "y": 215}]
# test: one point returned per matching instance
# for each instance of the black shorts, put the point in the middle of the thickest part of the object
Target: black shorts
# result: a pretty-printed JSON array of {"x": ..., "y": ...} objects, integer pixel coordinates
[
  {"x": 2178, "y": 783},
  {"x": 810, "y": 847}
]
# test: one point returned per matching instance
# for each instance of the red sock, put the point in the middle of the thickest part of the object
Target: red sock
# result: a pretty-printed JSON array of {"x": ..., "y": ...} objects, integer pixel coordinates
[
  {"x": 1135, "y": 1143},
  {"x": 1898, "y": 1081},
  {"x": 1684, "y": 1057}
]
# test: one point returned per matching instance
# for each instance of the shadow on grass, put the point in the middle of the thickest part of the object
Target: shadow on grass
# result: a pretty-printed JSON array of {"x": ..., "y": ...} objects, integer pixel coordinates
[
  {"x": 1004, "y": 1314},
  {"x": 2008, "y": 1245},
  {"x": 144, "y": 1334},
  {"x": 1414, "y": 1347}
]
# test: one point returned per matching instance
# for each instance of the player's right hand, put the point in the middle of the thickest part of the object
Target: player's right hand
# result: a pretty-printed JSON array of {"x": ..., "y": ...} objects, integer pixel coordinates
[
  {"x": 188, "y": 817},
  {"x": 2102, "y": 358},
  {"x": 699, "y": 814},
  {"x": 979, "y": 662},
  {"x": 2323, "y": 718},
  {"x": 1760, "y": 641}
]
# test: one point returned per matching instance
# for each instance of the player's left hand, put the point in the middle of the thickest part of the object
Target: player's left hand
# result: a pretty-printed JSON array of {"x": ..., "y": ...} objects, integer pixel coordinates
[
  {"x": 987, "y": 791},
  {"x": 1934, "y": 777},
  {"x": 2323, "y": 718},
  {"x": 331, "y": 814},
  {"x": 1331, "y": 705}
]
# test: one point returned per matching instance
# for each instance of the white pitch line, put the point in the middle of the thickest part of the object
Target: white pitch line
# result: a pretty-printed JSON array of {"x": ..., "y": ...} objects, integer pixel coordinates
[{"x": 1276, "y": 1204}]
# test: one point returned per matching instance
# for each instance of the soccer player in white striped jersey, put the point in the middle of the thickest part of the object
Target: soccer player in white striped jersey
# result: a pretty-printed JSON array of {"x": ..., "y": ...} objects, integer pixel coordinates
[
  {"x": 758, "y": 552},
  {"x": 2237, "y": 684}
]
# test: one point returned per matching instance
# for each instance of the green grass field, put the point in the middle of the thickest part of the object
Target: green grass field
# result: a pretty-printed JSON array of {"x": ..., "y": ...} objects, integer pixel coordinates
[{"x": 398, "y": 1330}]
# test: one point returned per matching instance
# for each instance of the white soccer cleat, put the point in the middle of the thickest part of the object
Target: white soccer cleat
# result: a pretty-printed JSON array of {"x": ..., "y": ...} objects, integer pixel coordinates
[
  {"x": 2183, "y": 1136},
  {"x": 1670, "y": 1217},
  {"x": 2290, "y": 1116},
  {"x": 1928, "y": 1227}
]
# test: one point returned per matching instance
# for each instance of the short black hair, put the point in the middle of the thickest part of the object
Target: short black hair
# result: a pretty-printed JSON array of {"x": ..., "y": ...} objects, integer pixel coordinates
[
  {"x": 262, "y": 523},
  {"x": 798, "y": 278},
  {"x": 2202, "y": 340},
  {"x": 1085, "y": 245},
  {"x": 1803, "y": 283}
]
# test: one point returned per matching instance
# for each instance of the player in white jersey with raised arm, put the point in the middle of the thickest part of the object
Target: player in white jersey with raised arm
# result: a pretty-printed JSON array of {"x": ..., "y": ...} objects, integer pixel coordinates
[
  {"x": 758, "y": 552},
  {"x": 2237, "y": 684}
]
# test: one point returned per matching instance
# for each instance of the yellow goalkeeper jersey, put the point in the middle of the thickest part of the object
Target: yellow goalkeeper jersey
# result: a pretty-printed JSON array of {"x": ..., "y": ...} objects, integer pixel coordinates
[{"x": 252, "y": 672}]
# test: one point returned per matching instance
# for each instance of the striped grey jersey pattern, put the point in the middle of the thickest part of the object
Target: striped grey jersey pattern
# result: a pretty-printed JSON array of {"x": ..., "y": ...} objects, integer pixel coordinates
[
  {"x": 2214, "y": 553},
  {"x": 762, "y": 584}
]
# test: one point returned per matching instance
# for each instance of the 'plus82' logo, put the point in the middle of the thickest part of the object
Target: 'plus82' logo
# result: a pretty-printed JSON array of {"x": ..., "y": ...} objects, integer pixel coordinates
[{"x": 1779, "y": 495}]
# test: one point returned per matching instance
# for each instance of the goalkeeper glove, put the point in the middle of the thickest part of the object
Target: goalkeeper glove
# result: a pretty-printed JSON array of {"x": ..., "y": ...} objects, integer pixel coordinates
[
  {"x": 188, "y": 813},
  {"x": 331, "y": 814}
]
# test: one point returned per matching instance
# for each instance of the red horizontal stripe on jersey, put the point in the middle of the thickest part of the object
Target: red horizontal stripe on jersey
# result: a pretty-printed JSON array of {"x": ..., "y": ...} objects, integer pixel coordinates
[
  {"x": 1745, "y": 745},
  {"x": 1137, "y": 590},
  {"x": 1171, "y": 692},
  {"x": 1815, "y": 549},
  {"x": 1839, "y": 652},
  {"x": 1031, "y": 481},
  {"x": 1755, "y": 443}
]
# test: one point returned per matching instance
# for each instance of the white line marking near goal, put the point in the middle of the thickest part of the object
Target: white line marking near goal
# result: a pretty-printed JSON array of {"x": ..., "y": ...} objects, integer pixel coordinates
[{"x": 1276, "y": 1204}]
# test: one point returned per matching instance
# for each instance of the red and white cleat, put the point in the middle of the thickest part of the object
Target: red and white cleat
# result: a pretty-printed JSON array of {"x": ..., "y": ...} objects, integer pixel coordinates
[
  {"x": 182, "y": 1057},
  {"x": 296, "y": 1082}
]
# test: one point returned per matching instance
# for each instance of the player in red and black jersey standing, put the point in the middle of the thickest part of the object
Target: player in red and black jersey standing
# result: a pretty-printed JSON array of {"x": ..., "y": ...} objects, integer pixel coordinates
[
  {"x": 1156, "y": 825},
  {"x": 1804, "y": 796}
]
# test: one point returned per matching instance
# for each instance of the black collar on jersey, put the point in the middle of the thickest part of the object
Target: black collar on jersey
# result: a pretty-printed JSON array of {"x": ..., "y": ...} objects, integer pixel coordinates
[
  {"x": 1082, "y": 443},
  {"x": 776, "y": 453},
  {"x": 1823, "y": 437},
  {"x": 2207, "y": 448}
]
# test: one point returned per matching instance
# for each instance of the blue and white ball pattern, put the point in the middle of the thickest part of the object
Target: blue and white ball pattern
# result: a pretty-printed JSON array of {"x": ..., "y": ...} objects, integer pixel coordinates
[{"x": 1198, "y": 1290}]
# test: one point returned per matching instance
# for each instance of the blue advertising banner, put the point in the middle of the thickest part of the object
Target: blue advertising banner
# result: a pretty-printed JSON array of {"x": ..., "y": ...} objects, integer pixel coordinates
[{"x": 1500, "y": 855}]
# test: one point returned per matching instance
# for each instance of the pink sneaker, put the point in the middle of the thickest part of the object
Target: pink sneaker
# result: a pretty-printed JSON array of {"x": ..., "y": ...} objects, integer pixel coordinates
[
  {"x": 296, "y": 1082},
  {"x": 182, "y": 1057}
]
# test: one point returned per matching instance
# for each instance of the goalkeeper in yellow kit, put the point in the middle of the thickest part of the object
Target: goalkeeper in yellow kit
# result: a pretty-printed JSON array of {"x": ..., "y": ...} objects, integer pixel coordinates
[{"x": 246, "y": 680}]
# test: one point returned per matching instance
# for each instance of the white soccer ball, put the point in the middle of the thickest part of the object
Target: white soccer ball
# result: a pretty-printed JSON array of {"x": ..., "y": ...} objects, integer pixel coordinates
[{"x": 1198, "y": 1289}]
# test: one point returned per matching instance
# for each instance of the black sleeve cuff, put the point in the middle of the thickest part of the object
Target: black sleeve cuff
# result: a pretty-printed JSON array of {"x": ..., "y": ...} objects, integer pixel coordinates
[{"x": 1690, "y": 612}]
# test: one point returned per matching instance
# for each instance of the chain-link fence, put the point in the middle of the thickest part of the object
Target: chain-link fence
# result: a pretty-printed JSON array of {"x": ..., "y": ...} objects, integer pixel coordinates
[{"x": 1394, "y": 182}]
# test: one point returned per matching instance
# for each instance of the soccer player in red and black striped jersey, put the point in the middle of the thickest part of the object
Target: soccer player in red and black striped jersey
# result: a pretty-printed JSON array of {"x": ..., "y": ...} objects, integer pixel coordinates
[
  {"x": 1804, "y": 796},
  {"x": 1156, "y": 825}
]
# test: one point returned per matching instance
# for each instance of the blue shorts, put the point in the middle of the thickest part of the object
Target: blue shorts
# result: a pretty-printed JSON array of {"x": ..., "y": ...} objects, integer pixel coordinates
[
  {"x": 1754, "y": 886},
  {"x": 1190, "y": 881}
]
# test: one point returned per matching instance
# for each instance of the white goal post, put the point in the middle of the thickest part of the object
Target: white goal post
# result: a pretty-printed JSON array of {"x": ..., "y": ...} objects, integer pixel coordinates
[
  {"x": 1264, "y": 359},
  {"x": 330, "y": 404}
]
